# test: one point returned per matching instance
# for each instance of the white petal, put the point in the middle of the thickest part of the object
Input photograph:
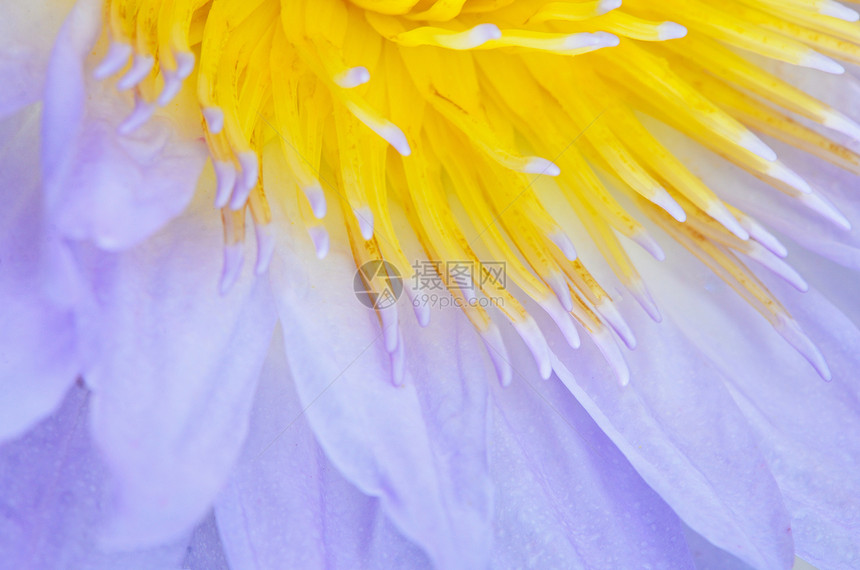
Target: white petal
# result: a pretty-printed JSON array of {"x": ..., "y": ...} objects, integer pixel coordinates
[
  {"x": 38, "y": 349},
  {"x": 100, "y": 185},
  {"x": 27, "y": 32},
  {"x": 287, "y": 506},
  {"x": 173, "y": 367}
]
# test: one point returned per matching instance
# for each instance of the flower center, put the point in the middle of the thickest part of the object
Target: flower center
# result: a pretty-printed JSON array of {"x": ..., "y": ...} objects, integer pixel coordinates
[{"x": 491, "y": 107}]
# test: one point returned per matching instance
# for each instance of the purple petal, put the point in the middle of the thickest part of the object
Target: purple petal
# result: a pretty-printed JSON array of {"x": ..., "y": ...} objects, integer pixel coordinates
[
  {"x": 38, "y": 349},
  {"x": 53, "y": 495},
  {"x": 100, "y": 185},
  {"x": 709, "y": 557},
  {"x": 287, "y": 506},
  {"x": 173, "y": 367},
  {"x": 680, "y": 429},
  {"x": 566, "y": 496},
  {"x": 805, "y": 426},
  {"x": 27, "y": 32},
  {"x": 421, "y": 447}
]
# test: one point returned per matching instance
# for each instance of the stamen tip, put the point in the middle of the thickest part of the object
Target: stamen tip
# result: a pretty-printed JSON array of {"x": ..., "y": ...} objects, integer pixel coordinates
[
  {"x": 320, "y": 239},
  {"x": 821, "y": 62},
  {"x": 214, "y": 119},
  {"x": 605, "y": 6},
  {"x": 364, "y": 217},
  {"x": 352, "y": 77},
  {"x": 671, "y": 31}
]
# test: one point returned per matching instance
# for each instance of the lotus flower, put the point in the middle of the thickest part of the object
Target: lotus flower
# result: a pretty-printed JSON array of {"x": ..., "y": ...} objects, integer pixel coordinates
[{"x": 626, "y": 377}]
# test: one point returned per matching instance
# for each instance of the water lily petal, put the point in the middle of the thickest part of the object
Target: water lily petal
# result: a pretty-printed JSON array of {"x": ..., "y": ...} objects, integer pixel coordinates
[
  {"x": 53, "y": 493},
  {"x": 27, "y": 32},
  {"x": 679, "y": 427},
  {"x": 101, "y": 185},
  {"x": 287, "y": 506},
  {"x": 805, "y": 426},
  {"x": 205, "y": 551},
  {"x": 709, "y": 557},
  {"x": 566, "y": 496},
  {"x": 421, "y": 447},
  {"x": 38, "y": 350},
  {"x": 173, "y": 367}
]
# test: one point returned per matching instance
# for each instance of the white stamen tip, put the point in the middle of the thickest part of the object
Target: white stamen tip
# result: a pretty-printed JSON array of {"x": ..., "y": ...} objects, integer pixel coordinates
[
  {"x": 316, "y": 198},
  {"x": 827, "y": 210},
  {"x": 563, "y": 243},
  {"x": 395, "y": 137},
  {"x": 247, "y": 180},
  {"x": 214, "y": 119},
  {"x": 265, "y": 247},
  {"x": 390, "y": 328},
  {"x": 184, "y": 63},
  {"x": 791, "y": 331},
  {"x": 665, "y": 201},
  {"x": 538, "y": 165},
  {"x": 649, "y": 244},
  {"x": 140, "y": 68},
  {"x": 562, "y": 320},
  {"x": 609, "y": 349},
  {"x": 776, "y": 265},
  {"x": 609, "y": 311},
  {"x": 364, "y": 217},
  {"x": 225, "y": 174},
  {"x": 233, "y": 260},
  {"x": 421, "y": 309},
  {"x": 534, "y": 339},
  {"x": 320, "y": 239},
  {"x": 498, "y": 354},
  {"x": 172, "y": 86},
  {"x": 837, "y": 10},
  {"x": 821, "y": 62},
  {"x": 478, "y": 36},
  {"x": 559, "y": 286},
  {"x": 143, "y": 111},
  {"x": 352, "y": 77},
  {"x": 115, "y": 59},
  {"x": 719, "y": 212},
  {"x": 840, "y": 123},
  {"x": 605, "y": 6},
  {"x": 671, "y": 31},
  {"x": 398, "y": 364},
  {"x": 784, "y": 174},
  {"x": 756, "y": 146},
  {"x": 645, "y": 300}
]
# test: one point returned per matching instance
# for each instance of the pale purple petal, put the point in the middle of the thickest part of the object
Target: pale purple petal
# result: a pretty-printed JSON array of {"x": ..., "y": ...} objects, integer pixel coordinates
[
  {"x": 679, "y": 427},
  {"x": 205, "y": 550},
  {"x": 27, "y": 32},
  {"x": 287, "y": 506},
  {"x": 173, "y": 367},
  {"x": 709, "y": 557},
  {"x": 420, "y": 448},
  {"x": 805, "y": 426},
  {"x": 566, "y": 496},
  {"x": 53, "y": 495},
  {"x": 38, "y": 349},
  {"x": 100, "y": 185}
]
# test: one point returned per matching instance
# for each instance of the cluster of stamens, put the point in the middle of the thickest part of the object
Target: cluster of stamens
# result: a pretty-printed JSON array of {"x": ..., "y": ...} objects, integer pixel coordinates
[{"x": 432, "y": 105}]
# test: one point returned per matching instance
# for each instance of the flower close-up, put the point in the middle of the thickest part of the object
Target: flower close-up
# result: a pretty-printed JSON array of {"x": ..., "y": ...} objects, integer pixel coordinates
[{"x": 451, "y": 284}]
